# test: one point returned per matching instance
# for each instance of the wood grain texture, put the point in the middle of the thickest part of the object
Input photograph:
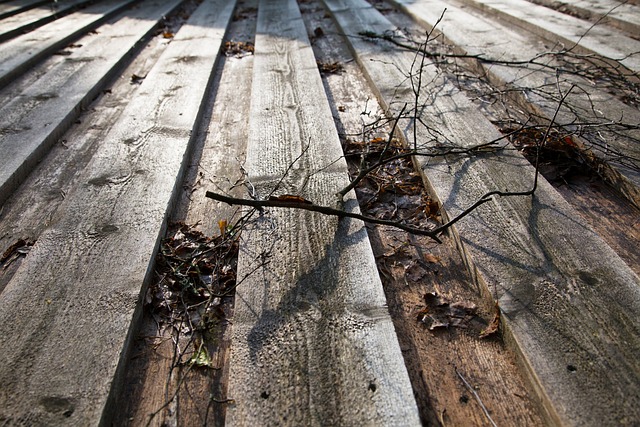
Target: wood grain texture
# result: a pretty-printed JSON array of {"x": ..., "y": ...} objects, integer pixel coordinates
[
  {"x": 565, "y": 29},
  {"x": 64, "y": 358},
  {"x": 32, "y": 207},
  {"x": 567, "y": 300},
  {"x": 617, "y": 151},
  {"x": 622, "y": 15},
  {"x": 27, "y": 21},
  {"x": 15, "y": 7},
  {"x": 32, "y": 122},
  {"x": 17, "y": 55},
  {"x": 215, "y": 163},
  {"x": 313, "y": 343}
]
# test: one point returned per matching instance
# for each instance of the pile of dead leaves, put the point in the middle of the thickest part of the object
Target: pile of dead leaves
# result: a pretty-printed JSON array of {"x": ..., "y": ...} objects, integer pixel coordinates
[
  {"x": 330, "y": 67},
  {"x": 559, "y": 157},
  {"x": 195, "y": 274},
  {"x": 440, "y": 313},
  {"x": 238, "y": 49},
  {"x": 394, "y": 191}
]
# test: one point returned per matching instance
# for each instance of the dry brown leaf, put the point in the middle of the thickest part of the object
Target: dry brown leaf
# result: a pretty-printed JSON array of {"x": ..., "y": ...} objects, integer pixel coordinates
[
  {"x": 494, "y": 326},
  {"x": 431, "y": 258},
  {"x": 330, "y": 67}
]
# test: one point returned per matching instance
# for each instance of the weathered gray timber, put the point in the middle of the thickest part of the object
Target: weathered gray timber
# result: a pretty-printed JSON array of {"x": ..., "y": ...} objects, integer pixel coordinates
[
  {"x": 20, "y": 53},
  {"x": 15, "y": 25},
  {"x": 313, "y": 343},
  {"x": 60, "y": 362},
  {"x": 569, "y": 304},
  {"x": 618, "y": 151},
  {"x": 30, "y": 123},
  {"x": 572, "y": 32},
  {"x": 619, "y": 14},
  {"x": 15, "y": 7}
]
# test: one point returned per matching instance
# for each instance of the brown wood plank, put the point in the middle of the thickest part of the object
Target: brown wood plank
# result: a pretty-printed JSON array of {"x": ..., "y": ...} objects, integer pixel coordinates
[
  {"x": 313, "y": 342},
  {"x": 216, "y": 163},
  {"x": 412, "y": 266},
  {"x": 69, "y": 309},
  {"x": 567, "y": 300}
]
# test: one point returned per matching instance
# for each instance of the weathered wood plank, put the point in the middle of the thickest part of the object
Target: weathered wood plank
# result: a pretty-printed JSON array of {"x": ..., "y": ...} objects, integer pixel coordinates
[
  {"x": 32, "y": 207},
  {"x": 67, "y": 313},
  {"x": 620, "y": 14},
  {"x": 20, "y": 53},
  {"x": 568, "y": 30},
  {"x": 33, "y": 121},
  {"x": 313, "y": 343},
  {"x": 37, "y": 17},
  {"x": 568, "y": 302},
  {"x": 14, "y": 7},
  {"x": 619, "y": 151},
  {"x": 216, "y": 163}
]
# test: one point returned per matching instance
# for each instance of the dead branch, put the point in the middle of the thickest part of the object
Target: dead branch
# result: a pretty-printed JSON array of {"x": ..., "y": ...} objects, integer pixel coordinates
[{"x": 326, "y": 210}]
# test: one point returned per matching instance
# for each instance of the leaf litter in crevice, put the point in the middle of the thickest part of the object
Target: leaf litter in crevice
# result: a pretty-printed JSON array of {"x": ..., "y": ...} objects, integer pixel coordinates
[
  {"x": 20, "y": 248},
  {"x": 394, "y": 190},
  {"x": 559, "y": 159},
  {"x": 330, "y": 67},
  {"x": 238, "y": 49},
  {"x": 195, "y": 273},
  {"x": 440, "y": 313}
]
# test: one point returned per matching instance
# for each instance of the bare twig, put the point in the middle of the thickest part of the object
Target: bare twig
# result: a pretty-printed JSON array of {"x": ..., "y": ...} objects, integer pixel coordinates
[
  {"x": 471, "y": 389},
  {"x": 326, "y": 210}
]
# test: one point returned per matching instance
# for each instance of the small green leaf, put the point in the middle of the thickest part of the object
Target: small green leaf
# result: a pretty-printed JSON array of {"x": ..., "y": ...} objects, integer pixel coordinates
[{"x": 201, "y": 358}]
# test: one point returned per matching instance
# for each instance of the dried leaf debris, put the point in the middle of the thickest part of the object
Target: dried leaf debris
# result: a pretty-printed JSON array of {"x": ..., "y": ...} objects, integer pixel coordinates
[
  {"x": 19, "y": 249},
  {"x": 330, "y": 67},
  {"x": 238, "y": 49},
  {"x": 441, "y": 313},
  {"x": 196, "y": 277},
  {"x": 394, "y": 191}
]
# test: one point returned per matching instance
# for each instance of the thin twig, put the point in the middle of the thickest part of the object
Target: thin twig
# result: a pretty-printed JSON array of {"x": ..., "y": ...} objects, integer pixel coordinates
[{"x": 484, "y": 408}]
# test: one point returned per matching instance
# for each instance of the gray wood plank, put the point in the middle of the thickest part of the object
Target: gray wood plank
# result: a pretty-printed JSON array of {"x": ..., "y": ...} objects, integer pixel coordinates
[
  {"x": 569, "y": 304},
  {"x": 14, "y": 7},
  {"x": 313, "y": 342},
  {"x": 66, "y": 316},
  {"x": 37, "y": 17},
  {"x": 620, "y": 14},
  {"x": 618, "y": 150},
  {"x": 20, "y": 53},
  {"x": 568, "y": 30},
  {"x": 33, "y": 121}
]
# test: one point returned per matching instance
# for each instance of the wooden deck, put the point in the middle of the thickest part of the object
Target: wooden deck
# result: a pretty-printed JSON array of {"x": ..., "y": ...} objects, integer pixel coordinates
[{"x": 117, "y": 116}]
